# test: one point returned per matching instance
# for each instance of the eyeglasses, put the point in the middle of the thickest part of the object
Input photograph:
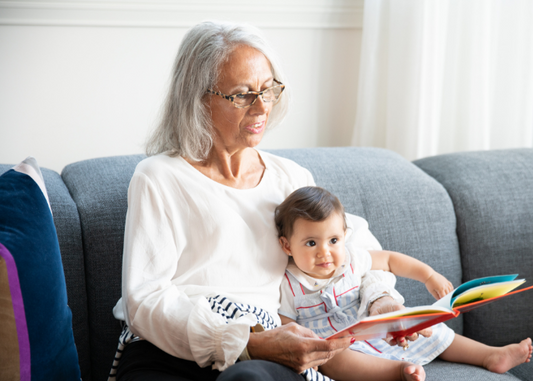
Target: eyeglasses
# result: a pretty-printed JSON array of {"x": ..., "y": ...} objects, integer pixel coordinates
[{"x": 243, "y": 100}]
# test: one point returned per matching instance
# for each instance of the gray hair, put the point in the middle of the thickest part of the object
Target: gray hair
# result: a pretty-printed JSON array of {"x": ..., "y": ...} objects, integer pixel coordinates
[{"x": 185, "y": 128}]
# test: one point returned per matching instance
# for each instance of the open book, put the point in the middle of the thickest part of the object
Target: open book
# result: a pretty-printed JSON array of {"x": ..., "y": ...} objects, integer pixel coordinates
[{"x": 466, "y": 297}]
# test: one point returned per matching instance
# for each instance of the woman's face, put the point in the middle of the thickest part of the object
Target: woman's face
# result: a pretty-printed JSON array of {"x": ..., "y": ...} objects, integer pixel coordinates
[{"x": 247, "y": 69}]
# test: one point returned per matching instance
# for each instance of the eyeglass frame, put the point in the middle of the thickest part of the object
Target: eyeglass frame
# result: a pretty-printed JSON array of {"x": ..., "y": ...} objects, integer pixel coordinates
[{"x": 231, "y": 98}]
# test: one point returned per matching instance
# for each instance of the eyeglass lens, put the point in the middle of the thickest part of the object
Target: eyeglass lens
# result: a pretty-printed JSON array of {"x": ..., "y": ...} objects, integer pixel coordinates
[{"x": 246, "y": 99}]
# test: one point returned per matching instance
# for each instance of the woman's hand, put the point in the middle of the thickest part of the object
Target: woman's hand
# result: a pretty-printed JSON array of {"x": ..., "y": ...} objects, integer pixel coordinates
[
  {"x": 438, "y": 285},
  {"x": 388, "y": 304},
  {"x": 294, "y": 346}
]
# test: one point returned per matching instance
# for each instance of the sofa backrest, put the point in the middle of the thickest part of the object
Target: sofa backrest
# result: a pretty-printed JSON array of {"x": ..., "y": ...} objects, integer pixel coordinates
[
  {"x": 99, "y": 188},
  {"x": 492, "y": 193}
]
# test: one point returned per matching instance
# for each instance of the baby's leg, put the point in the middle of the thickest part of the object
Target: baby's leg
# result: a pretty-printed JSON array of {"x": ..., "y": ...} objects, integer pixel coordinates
[
  {"x": 352, "y": 366},
  {"x": 495, "y": 359}
]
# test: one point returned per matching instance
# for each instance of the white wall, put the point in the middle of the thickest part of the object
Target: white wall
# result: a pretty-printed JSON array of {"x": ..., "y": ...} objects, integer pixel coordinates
[{"x": 86, "y": 79}]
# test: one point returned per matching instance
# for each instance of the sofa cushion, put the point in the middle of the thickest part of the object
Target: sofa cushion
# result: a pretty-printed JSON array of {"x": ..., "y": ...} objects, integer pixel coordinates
[
  {"x": 407, "y": 210},
  {"x": 493, "y": 200},
  {"x": 36, "y": 335},
  {"x": 99, "y": 187},
  {"x": 443, "y": 370}
]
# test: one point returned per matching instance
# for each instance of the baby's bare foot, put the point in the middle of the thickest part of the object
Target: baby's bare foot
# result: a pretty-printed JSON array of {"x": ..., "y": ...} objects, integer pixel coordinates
[
  {"x": 508, "y": 357},
  {"x": 412, "y": 372}
]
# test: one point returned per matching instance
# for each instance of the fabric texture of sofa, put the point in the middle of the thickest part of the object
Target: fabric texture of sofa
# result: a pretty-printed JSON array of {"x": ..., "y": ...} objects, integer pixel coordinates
[{"x": 468, "y": 215}]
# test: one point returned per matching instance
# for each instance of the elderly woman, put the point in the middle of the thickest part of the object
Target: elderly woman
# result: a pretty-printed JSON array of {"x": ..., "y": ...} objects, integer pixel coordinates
[{"x": 200, "y": 223}]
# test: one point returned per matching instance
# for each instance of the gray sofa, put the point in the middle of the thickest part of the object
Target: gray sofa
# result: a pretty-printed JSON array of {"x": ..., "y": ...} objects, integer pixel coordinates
[{"x": 467, "y": 214}]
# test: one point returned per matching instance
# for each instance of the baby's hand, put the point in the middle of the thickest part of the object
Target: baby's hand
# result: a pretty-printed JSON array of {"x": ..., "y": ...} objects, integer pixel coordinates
[{"x": 438, "y": 285}]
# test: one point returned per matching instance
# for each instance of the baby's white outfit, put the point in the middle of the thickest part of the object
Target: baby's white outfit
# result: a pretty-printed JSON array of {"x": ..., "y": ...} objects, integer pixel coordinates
[{"x": 328, "y": 305}]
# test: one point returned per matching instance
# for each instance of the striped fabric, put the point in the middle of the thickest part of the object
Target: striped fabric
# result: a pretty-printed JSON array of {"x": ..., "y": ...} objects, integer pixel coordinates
[
  {"x": 230, "y": 311},
  {"x": 125, "y": 338},
  {"x": 329, "y": 310}
]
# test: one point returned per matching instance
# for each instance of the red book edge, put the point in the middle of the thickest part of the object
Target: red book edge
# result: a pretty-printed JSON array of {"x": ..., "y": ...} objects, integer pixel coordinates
[{"x": 430, "y": 320}]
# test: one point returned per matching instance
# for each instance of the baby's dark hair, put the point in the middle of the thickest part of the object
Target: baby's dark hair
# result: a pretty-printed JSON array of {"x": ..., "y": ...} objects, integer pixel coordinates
[{"x": 309, "y": 203}]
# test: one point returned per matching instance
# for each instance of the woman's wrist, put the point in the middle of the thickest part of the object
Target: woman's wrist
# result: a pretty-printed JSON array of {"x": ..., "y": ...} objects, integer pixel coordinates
[
  {"x": 244, "y": 354},
  {"x": 253, "y": 342}
]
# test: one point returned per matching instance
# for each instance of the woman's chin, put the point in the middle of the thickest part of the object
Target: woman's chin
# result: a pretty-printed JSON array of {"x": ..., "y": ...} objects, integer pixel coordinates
[{"x": 254, "y": 140}]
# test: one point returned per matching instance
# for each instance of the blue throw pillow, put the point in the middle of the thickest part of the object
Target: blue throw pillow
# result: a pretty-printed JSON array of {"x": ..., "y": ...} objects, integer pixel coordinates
[{"x": 36, "y": 338}]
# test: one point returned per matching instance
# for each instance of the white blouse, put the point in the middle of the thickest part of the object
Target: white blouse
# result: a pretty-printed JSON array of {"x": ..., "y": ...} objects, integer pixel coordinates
[{"x": 188, "y": 237}]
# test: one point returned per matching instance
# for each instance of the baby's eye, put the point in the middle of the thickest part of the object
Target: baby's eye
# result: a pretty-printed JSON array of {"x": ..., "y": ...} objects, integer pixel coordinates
[
  {"x": 334, "y": 240},
  {"x": 310, "y": 243}
]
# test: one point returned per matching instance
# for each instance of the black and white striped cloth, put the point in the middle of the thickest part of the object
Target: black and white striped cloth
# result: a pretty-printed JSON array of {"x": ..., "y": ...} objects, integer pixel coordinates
[{"x": 125, "y": 338}]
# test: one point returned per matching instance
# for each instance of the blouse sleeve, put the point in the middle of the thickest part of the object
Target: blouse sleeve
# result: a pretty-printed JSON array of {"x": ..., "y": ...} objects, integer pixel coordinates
[
  {"x": 374, "y": 283},
  {"x": 154, "y": 308}
]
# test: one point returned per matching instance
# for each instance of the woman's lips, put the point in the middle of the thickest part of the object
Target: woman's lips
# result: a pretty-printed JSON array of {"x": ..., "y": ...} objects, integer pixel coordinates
[{"x": 256, "y": 128}]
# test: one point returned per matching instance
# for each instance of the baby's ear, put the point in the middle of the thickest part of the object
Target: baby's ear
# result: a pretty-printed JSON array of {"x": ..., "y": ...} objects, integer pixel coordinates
[
  {"x": 348, "y": 232},
  {"x": 285, "y": 245}
]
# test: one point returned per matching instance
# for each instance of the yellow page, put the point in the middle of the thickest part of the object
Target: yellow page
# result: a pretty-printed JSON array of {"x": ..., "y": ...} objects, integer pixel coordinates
[{"x": 486, "y": 292}]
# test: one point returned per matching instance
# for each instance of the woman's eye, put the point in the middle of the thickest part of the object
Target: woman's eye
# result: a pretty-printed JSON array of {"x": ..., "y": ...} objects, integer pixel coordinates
[
  {"x": 241, "y": 96},
  {"x": 311, "y": 243},
  {"x": 334, "y": 240}
]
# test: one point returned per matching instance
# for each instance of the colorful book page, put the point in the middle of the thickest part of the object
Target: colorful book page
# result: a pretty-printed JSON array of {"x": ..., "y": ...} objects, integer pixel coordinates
[
  {"x": 480, "y": 282},
  {"x": 486, "y": 291}
]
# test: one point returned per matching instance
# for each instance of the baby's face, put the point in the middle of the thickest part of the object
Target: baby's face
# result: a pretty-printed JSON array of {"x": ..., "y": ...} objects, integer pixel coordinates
[{"x": 317, "y": 247}]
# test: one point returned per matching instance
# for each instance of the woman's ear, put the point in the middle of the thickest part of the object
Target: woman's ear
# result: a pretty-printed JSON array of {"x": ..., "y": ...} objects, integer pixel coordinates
[{"x": 285, "y": 245}]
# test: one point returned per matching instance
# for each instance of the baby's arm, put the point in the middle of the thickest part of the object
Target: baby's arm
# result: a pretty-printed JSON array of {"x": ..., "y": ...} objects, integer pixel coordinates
[
  {"x": 286, "y": 320},
  {"x": 409, "y": 267}
]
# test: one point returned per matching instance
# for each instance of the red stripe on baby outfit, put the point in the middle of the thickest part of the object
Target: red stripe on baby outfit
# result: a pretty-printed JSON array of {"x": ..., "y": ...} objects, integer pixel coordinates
[
  {"x": 316, "y": 305},
  {"x": 331, "y": 324},
  {"x": 290, "y": 285},
  {"x": 346, "y": 291},
  {"x": 374, "y": 348}
]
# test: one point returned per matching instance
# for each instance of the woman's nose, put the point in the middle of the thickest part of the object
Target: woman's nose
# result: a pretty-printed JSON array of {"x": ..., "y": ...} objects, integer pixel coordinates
[{"x": 259, "y": 107}]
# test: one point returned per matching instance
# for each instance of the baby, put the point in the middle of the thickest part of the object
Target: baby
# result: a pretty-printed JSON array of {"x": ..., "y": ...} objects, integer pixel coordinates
[{"x": 321, "y": 292}]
